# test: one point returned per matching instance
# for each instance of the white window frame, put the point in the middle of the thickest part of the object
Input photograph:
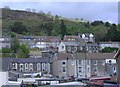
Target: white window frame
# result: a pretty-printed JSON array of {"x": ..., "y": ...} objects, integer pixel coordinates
[
  {"x": 14, "y": 66},
  {"x": 30, "y": 66},
  {"x": 21, "y": 65},
  {"x": 39, "y": 66},
  {"x": 43, "y": 66},
  {"x": 26, "y": 67}
]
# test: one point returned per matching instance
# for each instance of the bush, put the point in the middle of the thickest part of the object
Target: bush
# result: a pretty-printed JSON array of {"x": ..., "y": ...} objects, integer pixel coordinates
[{"x": 109, "y": 49}]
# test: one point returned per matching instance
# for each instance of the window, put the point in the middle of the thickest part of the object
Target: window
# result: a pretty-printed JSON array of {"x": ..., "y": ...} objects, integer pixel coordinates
[
  {"x": 30, "y": 67},
  {"x": 43, "y": 66},
  {"x": 64, "y": 69},
  {"x": 88, "y": 69},
  {"x": 114, "y": 68},
  {"x": 48, "y": 67},
  {"x": 95, "y": 69},
  {"x": 95, "y": 62},
  {"x": 63, "y": 63},
  {"x": 38, "y": 67},
  {"x": 62, "y": 47},
  {"x": 26, "y": 66},
  {"x": 21, "y": 67},
  {"x": 80, "y": 69},
  {"x": 14, "y": 66},
  {"x": 110, "y": 61}
]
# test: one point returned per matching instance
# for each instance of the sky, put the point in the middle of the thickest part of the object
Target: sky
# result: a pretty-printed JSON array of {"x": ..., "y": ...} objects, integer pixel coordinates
[{"x": 91, "y": 11}]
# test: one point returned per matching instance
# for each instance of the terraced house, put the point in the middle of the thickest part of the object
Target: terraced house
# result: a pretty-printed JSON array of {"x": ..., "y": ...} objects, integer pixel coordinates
[
  {"x": 27, "y": 65},
  {"x": 82, "y": 65}
]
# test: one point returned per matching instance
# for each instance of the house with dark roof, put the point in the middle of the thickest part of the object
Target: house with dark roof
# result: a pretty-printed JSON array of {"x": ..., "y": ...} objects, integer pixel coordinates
[
  {"x": 81, "y": 65},
  {"x": 40, "y": 41},
  {"x": 43, "y": 42},
  {"x": 26, "y": 65},
  {"x": 78, "y": 46}
]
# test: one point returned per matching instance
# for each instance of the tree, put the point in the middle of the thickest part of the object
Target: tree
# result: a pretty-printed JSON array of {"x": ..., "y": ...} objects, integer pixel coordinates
[
  {"x": 96, "y": 23},
  {"x": 87, "y": 25},
  {"x": 47, "y": 28},
  {"x": 112, "y": 33},
  {"x": 63, "y": 29},
  {"x": 23, "y": 51},
  {"x": 107, "y": 24},
  {"x": 15, "y": 46},
  {"x": 18, "y": 27}
]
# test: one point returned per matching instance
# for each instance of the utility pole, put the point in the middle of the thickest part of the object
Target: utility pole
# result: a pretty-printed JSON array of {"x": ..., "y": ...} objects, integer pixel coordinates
[
  {"x": 76, "y": 64},
  {"x": 67, "y": 68},
  {"x": 85, "y": 60}
]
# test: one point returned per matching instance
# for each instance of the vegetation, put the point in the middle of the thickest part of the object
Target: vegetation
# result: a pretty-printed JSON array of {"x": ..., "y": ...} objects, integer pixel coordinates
[
  {"x": 30, "y": 22},
  {"x": 23, "y": 51},
  {"x": 109, "y": 49},
  {"x": 16, "y": 50}
]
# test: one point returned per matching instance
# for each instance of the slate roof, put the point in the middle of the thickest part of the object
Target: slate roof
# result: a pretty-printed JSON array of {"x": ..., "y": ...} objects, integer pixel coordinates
[
  {"x": 6, "y": 61},
  {"x": 96, "y": 56},
  {"x": 26, "y": 60},
  {"x": 70, "y": 43},
  {"x": 109, "y": 43},
  {"x": 41, "y": 38}
]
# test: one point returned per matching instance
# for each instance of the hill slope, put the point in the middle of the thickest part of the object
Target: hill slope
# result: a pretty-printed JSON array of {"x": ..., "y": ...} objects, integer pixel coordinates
[{"x": 42, "y": 24}]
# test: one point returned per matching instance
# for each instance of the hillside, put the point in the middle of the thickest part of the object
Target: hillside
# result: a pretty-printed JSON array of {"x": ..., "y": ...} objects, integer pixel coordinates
[{"x": 31, "y": 23}]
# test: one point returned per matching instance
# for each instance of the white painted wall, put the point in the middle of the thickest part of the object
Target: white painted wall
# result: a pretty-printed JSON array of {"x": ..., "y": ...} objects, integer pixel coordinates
[
  {"x": 3, "y": 78},
  {"x": 61, "y": 47}
]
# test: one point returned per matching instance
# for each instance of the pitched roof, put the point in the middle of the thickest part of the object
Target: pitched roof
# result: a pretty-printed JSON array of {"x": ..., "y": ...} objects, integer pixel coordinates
[
  {"x": 109, "y": 43},
  {"x": 76, "y": 38},
  {"x": 47, "y": 38},
  {"x": 26, "y": 60},
  {"x": 96, "y": 56},
  {"x": 70, "y": 43},
  {"x": 40, "y": 38},
  {"x": 64, "y": 56},
  {"x": 100, "y": 55}
]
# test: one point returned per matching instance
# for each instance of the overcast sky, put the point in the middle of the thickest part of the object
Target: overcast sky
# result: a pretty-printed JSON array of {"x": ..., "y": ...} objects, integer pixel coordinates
[{"x": 105, "y": 11}]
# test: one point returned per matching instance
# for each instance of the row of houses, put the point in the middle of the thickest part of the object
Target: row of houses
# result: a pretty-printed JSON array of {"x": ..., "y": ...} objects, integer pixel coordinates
[
  {"x": 26, "y": 65},
  {"x": 79, "y": 65},
  {"x": 82, "y": 65},
  {"x": 76, "y": 56},
  {"x": 68, "y": 44}
]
